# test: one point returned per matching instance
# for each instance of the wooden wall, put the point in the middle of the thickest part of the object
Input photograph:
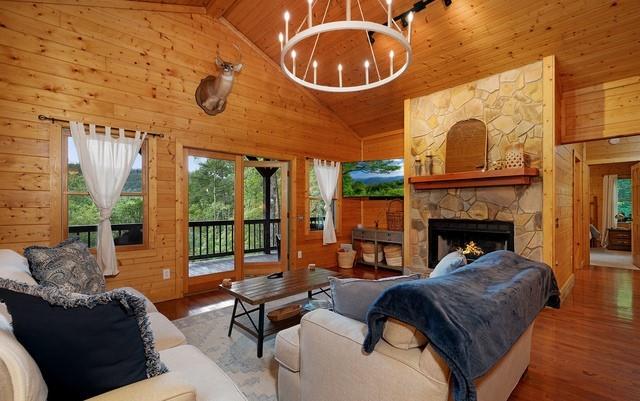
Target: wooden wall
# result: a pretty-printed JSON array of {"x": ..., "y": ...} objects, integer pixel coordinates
[
  {"x": 607, "y": 110},
  {"x": 384, "y": 146},
  {"x": 597, "y": 172},
  {"x": 139, "y": 69}
]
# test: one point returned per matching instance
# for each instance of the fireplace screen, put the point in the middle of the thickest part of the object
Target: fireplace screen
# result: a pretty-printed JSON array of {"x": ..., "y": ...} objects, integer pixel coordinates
[{"x": 478, "y": 237}]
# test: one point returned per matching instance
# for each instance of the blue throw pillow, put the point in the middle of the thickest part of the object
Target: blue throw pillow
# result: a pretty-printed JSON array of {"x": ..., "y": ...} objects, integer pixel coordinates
[
  {"x": 83, "y": 345},
  {"x": 448, "y": 264},
  {"x": 353, "y": 296}
]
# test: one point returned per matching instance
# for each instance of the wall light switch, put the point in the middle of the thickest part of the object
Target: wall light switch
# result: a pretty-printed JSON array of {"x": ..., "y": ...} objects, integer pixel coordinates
[
  {"x": 166, "y": 274},
  {"x": 299, "y": 254}
]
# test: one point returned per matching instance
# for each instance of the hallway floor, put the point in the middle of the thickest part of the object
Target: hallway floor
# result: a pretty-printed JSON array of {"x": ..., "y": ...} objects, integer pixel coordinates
[{"x": 608, "y": 258}]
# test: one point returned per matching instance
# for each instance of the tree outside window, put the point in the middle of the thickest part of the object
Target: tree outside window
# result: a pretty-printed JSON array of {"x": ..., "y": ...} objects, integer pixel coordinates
[
  {"x": 624, "y": 199},
  {"x": 127, "y": 218}
]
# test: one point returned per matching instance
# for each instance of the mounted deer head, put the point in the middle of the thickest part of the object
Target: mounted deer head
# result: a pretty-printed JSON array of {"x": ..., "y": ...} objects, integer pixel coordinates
[{"x": 211, "y": 94}]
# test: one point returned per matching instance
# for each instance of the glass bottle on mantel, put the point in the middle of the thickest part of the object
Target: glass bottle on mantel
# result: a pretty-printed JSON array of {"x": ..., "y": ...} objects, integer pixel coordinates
[
  {"x": 428, "y": 164},
  {"x": 417, "y": 166}
]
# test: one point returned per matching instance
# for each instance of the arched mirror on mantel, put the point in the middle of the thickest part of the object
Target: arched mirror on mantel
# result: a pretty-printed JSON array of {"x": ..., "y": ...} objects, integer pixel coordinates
[{"x": 466, "y": 148}]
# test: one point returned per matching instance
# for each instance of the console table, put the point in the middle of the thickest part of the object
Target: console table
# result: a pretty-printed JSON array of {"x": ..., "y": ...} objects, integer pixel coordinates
[{"x": 377, "y": 236}]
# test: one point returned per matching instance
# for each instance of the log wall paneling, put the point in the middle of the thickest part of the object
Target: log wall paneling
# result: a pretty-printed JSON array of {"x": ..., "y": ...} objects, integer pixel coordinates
[
  {"x": 136, "y": 65},
  {"x": 607, "y": 110}
]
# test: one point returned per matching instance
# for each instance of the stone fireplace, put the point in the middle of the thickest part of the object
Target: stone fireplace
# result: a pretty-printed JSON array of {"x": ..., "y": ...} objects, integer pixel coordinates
[
  {"x": 510, "y": 104},
  {"x": 448, "y": 235}
]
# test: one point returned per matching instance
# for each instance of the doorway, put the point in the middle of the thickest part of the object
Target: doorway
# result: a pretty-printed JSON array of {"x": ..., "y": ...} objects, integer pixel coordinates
[{"x": 235, "y": 222}]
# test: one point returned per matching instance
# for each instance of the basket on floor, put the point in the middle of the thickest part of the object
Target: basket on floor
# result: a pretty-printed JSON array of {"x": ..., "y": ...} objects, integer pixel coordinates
[
  {"x": 346, "y": 259},
  {"x": 395, "y": 218}
]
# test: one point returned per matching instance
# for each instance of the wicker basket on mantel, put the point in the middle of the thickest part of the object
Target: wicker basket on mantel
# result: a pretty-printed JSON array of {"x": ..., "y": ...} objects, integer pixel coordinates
[{"x": 395, "y": 218}]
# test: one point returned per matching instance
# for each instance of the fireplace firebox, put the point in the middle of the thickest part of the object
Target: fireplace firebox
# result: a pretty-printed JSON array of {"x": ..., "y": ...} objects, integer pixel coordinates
[{"x": 447, "y": 235}]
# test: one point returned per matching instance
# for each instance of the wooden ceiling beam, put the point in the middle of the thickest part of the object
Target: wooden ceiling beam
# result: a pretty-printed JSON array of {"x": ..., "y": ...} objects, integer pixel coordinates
[
  {"x": 218, "y": 8},
  {"x": 125, "y": 5}
]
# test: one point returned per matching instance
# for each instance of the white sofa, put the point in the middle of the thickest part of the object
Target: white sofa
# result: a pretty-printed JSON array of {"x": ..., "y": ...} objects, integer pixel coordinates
[
  {"x": 192, "y": 376},
  {"x": 321, "y": 359}
]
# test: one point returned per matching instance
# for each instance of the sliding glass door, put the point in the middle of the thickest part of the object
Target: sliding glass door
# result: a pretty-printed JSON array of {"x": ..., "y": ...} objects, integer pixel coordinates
[{"x": 236, "y": 217}]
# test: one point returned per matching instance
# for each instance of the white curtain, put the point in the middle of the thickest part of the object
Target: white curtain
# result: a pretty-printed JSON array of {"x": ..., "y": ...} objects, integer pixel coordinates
[
  {"x": 327, "y": 177},
  {"x": 106, "y": 163},
  {"x": 609, "y": 206}
]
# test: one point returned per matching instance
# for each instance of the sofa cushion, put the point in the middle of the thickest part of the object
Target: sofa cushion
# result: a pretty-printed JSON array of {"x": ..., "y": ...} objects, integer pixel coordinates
[
  {"x": 402, "y": 335},
  {"x": 353, "y": 296},
  {"x": 288, "y": 348},
  {"x": 68, "y": 266},
  {"x": 449, "y": 263},
  {"x": 20, "y": 377},
  {"x": 147, "y": 303},
  {"x": 14, "y": 266},
  {"x": 211, "y": 383},
  {"x": 165, "y": 334},
  {"x": 83, "y": 345}
]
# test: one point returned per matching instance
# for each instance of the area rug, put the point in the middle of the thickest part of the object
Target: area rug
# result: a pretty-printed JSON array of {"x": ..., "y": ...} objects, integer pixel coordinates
[
  {"x": 607, "y": 258},
  {"x": 236, "y": 355}
]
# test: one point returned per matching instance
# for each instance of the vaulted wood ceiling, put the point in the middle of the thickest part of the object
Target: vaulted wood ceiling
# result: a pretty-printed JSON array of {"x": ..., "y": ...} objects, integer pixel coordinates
[{"x": 594, "y": 40}]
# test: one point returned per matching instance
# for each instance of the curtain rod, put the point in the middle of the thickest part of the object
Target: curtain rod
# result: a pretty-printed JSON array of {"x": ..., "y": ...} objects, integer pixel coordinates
[{"x": 54, "y": 120}]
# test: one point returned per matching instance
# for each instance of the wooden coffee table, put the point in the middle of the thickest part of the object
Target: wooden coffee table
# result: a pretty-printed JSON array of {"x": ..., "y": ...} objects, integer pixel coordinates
[{"x": 260, "y": 290}]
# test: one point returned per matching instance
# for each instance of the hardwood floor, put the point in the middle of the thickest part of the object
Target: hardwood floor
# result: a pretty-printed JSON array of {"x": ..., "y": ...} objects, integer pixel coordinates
[{"x": 589, "y": 350}]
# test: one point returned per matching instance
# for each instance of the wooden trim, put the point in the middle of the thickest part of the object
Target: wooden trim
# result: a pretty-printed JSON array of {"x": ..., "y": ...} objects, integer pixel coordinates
[
  {"x": 566, "y": 289},
  {"x": 182, "y": 265},
  {"x": 476, "y": 179},
  {"x": 408, "y": 240},
  {"x": 218, "y": 8},
  {"x": 125, "y": 5},
  {"x": 383, "y": 135},
  {"x": 239, "y": 216},
  {"x": 55, "y": 184},
  {"x": 548, "y": 155}
]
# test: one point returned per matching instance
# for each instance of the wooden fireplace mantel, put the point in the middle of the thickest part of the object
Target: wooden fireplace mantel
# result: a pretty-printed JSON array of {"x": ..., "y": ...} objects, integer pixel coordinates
[{"x": 475, "y": 179}]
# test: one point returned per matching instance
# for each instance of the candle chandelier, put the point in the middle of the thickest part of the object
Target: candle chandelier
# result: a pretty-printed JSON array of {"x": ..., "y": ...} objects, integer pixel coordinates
[{"x": 384, "y": 73}]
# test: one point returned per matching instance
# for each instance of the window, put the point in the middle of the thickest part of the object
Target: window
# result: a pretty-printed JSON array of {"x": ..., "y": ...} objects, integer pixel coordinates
[
  {"x": 315, "y": 205},
  {"x": 624, "y": 199},
  {"x": 82, "y": 217}
]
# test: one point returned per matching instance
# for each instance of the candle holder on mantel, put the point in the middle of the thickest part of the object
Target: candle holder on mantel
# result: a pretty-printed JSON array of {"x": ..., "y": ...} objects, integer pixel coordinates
[{"x": 428, "y": 165}]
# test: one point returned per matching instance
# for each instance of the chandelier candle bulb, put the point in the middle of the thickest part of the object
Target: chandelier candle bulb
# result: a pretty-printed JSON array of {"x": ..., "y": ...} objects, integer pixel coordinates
[
  {"x": 389, "y": 13},
  {"x": 366, "y": 72},
  {"x": 410, "y": 20},
  {"x": 391, "y": 54},
  {"x": 281, "y": 40},
  {"x": 310, "y": 13},
  {"x": 293, "y": 61},
  {"x": 340, "y": 74},
  {"x": 287, "y": 16},
  {"x": 315, "y": 72}
]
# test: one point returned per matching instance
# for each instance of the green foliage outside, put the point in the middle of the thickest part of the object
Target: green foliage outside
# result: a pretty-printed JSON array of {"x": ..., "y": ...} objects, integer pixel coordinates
[
  {"x": 373, "y": 185},
  {"x": 624, "y": 198},
  {"x": 82, "y": 211}
]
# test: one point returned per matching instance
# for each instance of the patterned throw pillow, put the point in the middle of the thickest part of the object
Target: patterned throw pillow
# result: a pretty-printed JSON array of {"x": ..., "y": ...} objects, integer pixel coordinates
[{"x": 67, "y": 266}]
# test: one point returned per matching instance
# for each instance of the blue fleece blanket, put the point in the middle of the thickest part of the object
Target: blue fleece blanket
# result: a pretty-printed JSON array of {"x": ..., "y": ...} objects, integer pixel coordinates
[{"x": 472, "y": 316}]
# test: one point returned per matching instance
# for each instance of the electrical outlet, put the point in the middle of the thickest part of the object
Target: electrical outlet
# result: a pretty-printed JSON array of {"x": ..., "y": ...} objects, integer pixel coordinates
[
  {"x": 299, "y": 254},
  {"x": 166, "y": 274}
]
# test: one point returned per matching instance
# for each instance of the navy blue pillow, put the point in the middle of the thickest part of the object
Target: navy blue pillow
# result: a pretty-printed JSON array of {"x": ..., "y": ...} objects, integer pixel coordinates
[{"x": 83, "y": 345}]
